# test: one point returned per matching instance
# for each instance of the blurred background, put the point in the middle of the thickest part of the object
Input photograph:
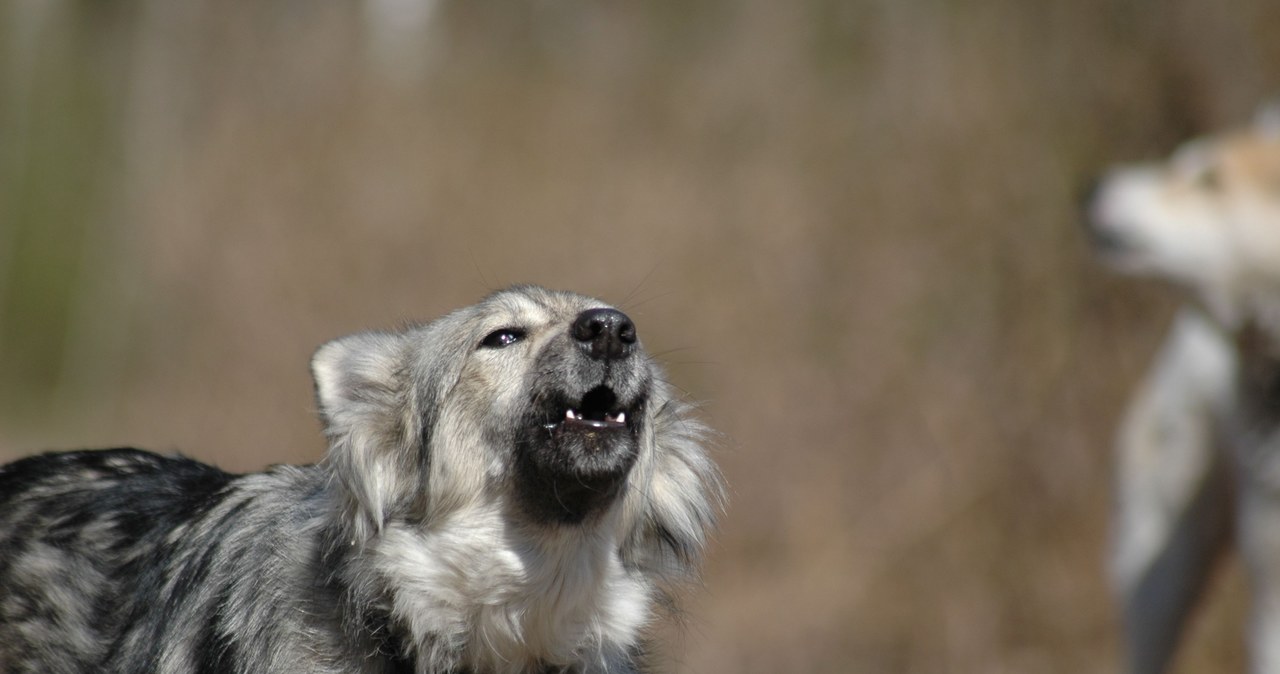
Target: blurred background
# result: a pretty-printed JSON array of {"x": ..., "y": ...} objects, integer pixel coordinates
[{"x": 848, "y": 227}]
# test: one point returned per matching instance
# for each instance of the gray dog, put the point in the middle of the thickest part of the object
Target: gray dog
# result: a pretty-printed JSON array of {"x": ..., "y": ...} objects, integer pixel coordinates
[{"x": 510, "y": 488}]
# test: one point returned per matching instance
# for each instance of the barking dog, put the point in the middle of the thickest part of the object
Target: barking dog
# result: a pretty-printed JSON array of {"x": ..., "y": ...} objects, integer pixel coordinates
[
  {"x": 1200, "y": 446},
  {"x": 510, "y": 488}
]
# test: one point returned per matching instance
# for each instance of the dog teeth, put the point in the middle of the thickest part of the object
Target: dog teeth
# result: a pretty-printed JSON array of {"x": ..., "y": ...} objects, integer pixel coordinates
[{"x": 575, "y": 415}]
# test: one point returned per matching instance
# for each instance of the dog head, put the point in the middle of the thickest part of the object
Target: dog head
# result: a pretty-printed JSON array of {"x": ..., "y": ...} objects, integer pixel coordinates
[
  {"x": 539, "y": 402},
  {"x": 1207, "y": 218}
]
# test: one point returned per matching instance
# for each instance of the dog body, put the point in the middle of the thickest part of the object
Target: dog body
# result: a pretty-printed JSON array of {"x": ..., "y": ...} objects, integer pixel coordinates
[
  {"x": 1199, "y": 450},
  {"x": 510, "y": 488}
]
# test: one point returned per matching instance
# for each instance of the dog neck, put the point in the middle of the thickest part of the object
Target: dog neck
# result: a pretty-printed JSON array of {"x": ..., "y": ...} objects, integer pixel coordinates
[
  {"x": 1258, "y": 345},
  {"x": 473, "y": 591}
]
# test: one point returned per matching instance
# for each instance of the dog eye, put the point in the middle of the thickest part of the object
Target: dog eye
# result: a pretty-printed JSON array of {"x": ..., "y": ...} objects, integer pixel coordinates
[{"x": 502, "y": 338}]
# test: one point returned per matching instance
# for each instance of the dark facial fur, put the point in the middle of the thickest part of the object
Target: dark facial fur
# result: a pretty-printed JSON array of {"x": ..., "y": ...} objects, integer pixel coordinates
[{"x": 588, "y": 390}]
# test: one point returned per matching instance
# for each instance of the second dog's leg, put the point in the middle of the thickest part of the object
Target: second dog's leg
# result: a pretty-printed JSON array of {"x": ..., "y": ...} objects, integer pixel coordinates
[
  {"x": 1173, "y": 501},
  {"x": 1259, "y": 533}
]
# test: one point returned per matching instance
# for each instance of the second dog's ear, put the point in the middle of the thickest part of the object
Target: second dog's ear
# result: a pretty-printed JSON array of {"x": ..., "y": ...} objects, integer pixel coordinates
[{"x": 361, "y": 391}]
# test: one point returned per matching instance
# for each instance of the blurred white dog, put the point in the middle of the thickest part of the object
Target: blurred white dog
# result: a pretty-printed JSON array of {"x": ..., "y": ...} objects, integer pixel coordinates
[{"x": 1199, "y": 450}]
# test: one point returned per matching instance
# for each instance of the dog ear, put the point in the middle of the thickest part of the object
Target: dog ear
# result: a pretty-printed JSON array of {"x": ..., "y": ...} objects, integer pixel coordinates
[
  {"x": 679, "y": 495},
  {"x": 361, "y": 391}
]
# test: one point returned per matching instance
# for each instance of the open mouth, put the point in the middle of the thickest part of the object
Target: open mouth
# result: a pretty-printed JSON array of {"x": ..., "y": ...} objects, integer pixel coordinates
[
  {"x": 577, "y": 466},
  {"x": 598, "y": 424},
  {"x": 1107, "y": 241},
  {"x": 598, "y": 410},
  {"x": 595, "y": 422}
]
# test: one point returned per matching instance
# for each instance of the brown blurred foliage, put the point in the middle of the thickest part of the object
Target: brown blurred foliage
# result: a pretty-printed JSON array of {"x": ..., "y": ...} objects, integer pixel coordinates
[{"x": 849, "y": 227}]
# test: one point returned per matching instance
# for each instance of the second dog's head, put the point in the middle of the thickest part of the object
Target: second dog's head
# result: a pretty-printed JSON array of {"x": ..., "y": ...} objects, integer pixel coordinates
[
  {"x": 538, "y": 402},
  {"x": 1208, "y": 218}
]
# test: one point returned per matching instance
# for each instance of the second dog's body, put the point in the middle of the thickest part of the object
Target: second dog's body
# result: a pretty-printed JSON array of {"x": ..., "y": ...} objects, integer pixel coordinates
[{"x": 1199, "y": 452}]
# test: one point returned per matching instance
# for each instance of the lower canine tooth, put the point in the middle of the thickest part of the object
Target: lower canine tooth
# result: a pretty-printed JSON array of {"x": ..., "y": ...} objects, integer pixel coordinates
[
  {"x": 568, "y": 414},
  {"x": 621, "y": 418}
]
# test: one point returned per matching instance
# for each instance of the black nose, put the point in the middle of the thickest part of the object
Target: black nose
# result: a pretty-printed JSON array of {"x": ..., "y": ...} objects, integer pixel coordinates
[{"x": 605, "y": 334}]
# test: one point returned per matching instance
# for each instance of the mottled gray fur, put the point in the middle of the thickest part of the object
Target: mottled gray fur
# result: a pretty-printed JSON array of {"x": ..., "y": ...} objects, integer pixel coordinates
[{"x": 459, "y": 523}]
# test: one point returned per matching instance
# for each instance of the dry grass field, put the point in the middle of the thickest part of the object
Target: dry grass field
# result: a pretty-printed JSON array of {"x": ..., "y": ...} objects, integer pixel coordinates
[{"x": 849, "y": 228}]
